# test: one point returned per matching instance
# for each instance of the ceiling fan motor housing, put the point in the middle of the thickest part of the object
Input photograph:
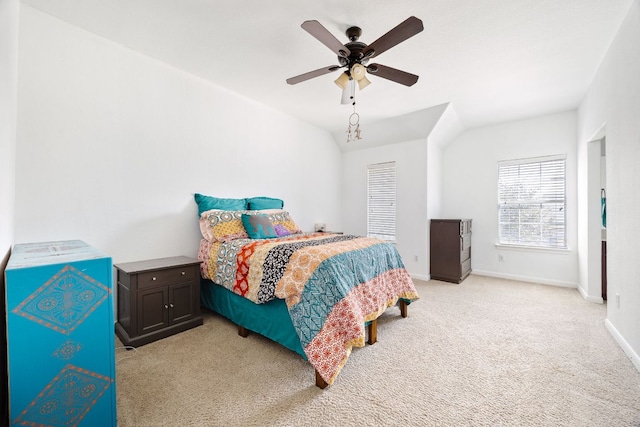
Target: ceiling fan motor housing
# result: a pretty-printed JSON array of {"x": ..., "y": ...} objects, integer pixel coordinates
[{"x": 356, "y": 48}]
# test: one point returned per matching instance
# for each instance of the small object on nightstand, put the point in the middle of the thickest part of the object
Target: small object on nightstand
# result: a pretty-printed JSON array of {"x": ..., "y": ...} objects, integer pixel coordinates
[{"x": 157, "y": 298}]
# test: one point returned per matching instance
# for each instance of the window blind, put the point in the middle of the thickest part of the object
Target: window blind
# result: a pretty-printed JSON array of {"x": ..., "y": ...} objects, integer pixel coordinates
[
  {"x": 381, "y": 201},
  {"x": 532, "y": 202}
]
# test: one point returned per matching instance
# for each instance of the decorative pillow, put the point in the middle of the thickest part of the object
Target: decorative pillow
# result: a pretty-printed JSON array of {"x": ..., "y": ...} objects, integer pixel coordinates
[
  {"x": 258, "y": 226},
  {"x": 258, "y": 203},
  {"x": 282, "y": 220},
  {"x": 281, "y": 230},
  {"x": 206, "y": 203},
  {"x": 222, "y": 226}
]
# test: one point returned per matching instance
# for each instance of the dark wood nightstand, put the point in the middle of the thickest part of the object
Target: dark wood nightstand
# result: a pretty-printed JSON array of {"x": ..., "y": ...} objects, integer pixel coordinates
[{"x": 157, "y": 298}]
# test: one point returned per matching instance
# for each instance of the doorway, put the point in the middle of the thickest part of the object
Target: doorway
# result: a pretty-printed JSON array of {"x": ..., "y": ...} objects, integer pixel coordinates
[{"x": 603, "y": 216}]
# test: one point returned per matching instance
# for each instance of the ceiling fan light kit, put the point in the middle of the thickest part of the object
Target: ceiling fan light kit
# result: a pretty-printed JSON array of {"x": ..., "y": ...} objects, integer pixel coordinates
[
  {"x": 342, "y": 80},
  {"x": 349, "y": 93},
  {"x": 358, "y": 74},
  {"x": 363, "y": 82}
]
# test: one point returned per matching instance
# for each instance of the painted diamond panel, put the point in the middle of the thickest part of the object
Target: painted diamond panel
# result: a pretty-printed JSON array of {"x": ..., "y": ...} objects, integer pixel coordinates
[
  {"x": 64, "y": 301},
  {"x": 67, "y": 350},
  {"x": 66, "y": 399}
]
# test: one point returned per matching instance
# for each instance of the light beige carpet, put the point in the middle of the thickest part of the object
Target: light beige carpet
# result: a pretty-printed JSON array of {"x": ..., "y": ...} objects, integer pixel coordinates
[{"x": 487, "y": 352}]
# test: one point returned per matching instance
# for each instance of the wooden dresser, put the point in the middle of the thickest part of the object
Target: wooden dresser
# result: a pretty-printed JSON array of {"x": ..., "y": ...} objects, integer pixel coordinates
[
  {"x": 450, "y": 249},
  {"x": 59, "y": 314},
  {"x": 157, "y": 298}
]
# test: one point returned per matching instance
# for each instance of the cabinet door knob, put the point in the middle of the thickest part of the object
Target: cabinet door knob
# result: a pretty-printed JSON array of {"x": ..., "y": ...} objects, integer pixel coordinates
[
  {"x": 183, "y": 273},
  {"x": 171, "y": 305},
  {"x": 153, "y": 278},
  {"x": 166, "y": 306}
]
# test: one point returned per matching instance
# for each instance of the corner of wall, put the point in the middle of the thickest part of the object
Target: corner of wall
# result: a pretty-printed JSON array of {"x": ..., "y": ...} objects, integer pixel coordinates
[
  {"x": 447, "y": 128},
  {"x": 626, "y": 347},
  {"x": 4, "y": 384}
]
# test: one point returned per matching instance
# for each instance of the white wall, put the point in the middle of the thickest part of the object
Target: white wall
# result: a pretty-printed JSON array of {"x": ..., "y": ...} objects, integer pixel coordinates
[
  {"x": 411, "y": 197},
  {"x": 112, "y": 145},
  {"x": 448, "y": 128},
  {"x": 470, "y": 190},
  {"x": 8, "y": 111},
  {"x": 614, "y": 99},
  {"x": 8, "y": 99},
  {"x": 418, "y": 180}
]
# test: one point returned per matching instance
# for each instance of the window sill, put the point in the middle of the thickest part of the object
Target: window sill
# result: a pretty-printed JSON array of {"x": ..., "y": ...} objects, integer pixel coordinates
[{"x": 558, "y": 251}]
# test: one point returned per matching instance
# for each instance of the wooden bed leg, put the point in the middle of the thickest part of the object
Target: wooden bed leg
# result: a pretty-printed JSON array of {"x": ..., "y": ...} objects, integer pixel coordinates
[
  {"x": 242, "y": 331},
  {"x": 372, "y": 330},
  {"x": 320, "y": 382},
  {"x": 403, "y": 308}
]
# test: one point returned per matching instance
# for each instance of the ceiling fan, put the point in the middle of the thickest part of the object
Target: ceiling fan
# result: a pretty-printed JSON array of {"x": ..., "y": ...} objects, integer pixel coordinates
[{"x": 355, "y": 55}]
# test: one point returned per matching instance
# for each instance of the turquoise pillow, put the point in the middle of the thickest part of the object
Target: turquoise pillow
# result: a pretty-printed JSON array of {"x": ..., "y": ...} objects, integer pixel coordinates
[
  {"x": 206, "y": 203},
  {"x": 259, "y": 203},
  {"x": 258, "y": 226}
]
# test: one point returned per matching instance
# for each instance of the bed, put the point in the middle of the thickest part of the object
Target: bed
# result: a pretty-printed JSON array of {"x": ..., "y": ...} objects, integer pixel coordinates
[{"x": 317, "y": 294}]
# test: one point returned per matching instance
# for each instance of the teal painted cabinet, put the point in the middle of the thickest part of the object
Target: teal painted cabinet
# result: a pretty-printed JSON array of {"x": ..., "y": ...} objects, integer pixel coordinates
[{"x": 60, "y": 335}]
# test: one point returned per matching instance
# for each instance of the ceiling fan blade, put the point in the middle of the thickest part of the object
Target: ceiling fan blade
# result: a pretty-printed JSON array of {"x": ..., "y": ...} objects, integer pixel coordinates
[
  {"x": 392, "y": 74},
  {"x": 325, "y": 37},
  {"x": 408, "y": 28},
  {"x": 312, "y": 74}
]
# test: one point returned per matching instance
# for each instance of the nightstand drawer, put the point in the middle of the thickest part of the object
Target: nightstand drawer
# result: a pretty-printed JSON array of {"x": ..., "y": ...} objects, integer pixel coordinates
[{"x": 165, "y": 277}]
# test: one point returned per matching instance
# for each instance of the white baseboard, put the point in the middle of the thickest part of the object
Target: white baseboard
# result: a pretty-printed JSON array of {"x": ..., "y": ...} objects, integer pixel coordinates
[
  {"x": 525, "y": 278},
  {"x": 632, "y": 355},
  {"x": 596, "y": 300},
  {"x": 421, "y": 277}
]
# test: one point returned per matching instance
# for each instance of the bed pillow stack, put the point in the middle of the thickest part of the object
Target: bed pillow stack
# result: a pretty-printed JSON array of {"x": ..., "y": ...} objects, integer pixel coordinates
[
  {"x": 224, "y": 220},
  {"x": 206, "y": 203},
  {"x": 261, "y": 203},
  {"x": 225, "y": 226}
]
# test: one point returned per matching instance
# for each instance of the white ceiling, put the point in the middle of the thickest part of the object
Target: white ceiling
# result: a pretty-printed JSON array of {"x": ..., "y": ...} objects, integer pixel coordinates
[{"x": 493, "y": 60}]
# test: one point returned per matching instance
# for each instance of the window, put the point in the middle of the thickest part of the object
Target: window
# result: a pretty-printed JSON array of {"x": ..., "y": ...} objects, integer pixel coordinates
[
  {"x": 381, "y": 205},
  {"x": 532, "y": 202}
]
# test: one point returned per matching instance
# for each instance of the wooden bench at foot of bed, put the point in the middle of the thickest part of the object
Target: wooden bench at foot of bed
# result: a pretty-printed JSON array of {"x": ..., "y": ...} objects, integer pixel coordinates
[{"x": 372, "y": 336}]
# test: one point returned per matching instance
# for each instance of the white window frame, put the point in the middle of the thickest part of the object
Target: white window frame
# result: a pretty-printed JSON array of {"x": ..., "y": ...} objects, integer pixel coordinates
[
  {"x": 381, "y": 201},
  {"x": 532, "y": 202}
]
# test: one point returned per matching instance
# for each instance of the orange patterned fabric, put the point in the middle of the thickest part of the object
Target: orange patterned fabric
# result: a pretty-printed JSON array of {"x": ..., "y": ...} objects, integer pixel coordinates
[
  {"x": 304, "y": 262},
  {"x": 344, "y": 328},
  {"x": 238, "y": 265},
  {"x": 242, "y": 272}
]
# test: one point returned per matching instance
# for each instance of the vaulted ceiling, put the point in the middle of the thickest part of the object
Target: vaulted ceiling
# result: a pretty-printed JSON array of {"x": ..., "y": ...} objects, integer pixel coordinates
[{"x": 493, "y": 60}]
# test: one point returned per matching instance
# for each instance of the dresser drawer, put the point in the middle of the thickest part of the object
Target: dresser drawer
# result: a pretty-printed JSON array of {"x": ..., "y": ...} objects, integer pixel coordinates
[
  {"x": 465, "y": 247},
  {"x": 465, "y": 227},
  {"x": 465, "y": 267},
  {"x": 168, "y": 276}
]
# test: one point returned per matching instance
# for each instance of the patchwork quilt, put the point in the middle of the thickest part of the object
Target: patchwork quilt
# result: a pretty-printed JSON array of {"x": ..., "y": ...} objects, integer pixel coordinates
[{"x": 332, "y": 285}]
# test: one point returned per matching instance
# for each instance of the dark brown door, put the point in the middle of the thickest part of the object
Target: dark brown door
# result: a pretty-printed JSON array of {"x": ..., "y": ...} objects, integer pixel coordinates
[{"x": 153, "y": 310}]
